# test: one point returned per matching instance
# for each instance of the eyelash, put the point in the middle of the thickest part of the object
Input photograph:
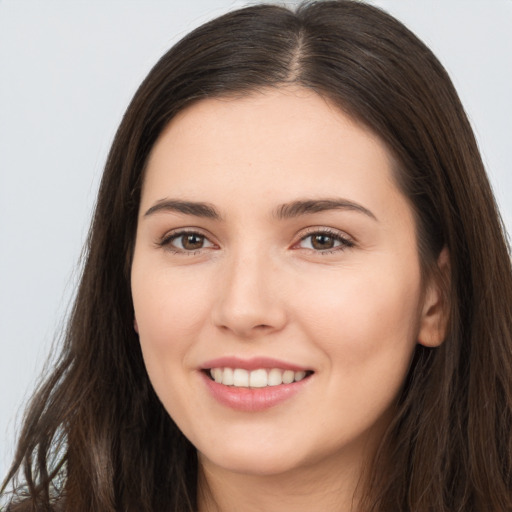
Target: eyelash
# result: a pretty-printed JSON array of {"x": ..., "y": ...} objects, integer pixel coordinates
[
  {"x": 166, "y": 242},
  {"x": 344, "y": 242}
]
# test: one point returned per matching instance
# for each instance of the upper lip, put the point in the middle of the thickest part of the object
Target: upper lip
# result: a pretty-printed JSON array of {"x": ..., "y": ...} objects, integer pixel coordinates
[{"x": 253, "y": 363}]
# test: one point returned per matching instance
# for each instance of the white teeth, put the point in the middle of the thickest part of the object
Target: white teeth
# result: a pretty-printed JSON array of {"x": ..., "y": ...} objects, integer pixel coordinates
[
  {"x": 299, "y": 376},
  {"x": 258, "y": 379},
  {"x": 288, "y": 376},
  {"x": 227, "y": 377},
  {"x": 275, "y": 377},
  {"x": 241, "y": 378},
  {"x": 217, "y": 375},
  {"x": 255, "y": 379}
]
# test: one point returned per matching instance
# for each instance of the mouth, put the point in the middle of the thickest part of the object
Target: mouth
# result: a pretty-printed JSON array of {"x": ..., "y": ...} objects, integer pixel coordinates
[
  {"x": 257, "y": 378},
  {"x": 255, "y": 384}
]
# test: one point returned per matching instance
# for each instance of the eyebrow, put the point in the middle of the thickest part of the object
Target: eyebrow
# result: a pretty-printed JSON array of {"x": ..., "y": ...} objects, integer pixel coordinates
[
  {"x": 197, "y": 209},
  {"x": 311, "y": 206},
  {"x": 284, "y": 211}
]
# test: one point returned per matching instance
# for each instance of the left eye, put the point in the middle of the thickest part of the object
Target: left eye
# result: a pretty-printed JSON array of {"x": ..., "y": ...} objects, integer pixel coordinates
[
  {"x": 323, "y": 241},
  {"x": 189, "y": 242}
]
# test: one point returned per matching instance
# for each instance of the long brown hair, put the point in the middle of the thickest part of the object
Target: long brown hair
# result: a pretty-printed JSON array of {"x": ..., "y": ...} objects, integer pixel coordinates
[{"x": 96, "y": 438}]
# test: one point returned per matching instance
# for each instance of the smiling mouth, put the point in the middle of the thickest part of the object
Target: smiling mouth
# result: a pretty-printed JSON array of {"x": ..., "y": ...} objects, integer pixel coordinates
[{"x": 260, "y": 378}]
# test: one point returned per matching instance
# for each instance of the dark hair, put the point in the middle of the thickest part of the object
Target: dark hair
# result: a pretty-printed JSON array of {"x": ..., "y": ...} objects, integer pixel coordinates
[{"x": 95, "y": 433}]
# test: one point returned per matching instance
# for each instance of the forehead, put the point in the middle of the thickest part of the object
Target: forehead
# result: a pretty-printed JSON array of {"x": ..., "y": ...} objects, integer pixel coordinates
[{"x": 275, "y": 144}]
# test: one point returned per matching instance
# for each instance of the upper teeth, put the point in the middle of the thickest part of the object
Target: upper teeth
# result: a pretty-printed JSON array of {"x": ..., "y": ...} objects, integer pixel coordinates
[{"x": 255, "y": 379}]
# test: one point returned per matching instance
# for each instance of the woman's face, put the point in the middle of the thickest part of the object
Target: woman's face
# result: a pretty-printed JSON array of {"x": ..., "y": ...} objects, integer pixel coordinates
[{"x": 276, "y": 255}]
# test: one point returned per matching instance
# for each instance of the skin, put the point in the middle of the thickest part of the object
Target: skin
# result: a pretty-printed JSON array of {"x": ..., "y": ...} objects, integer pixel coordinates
[{"x": 257, "y": 285}]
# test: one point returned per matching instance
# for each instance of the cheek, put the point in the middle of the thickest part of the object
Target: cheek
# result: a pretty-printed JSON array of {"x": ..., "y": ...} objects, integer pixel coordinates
[
  {"x": 170, "y": 311},
  {"x": 170, "y": 314},
  {"x": 363, "y": 317},
  {"x": 166, "y": 303},
  {"x": 366, "y": 327}
]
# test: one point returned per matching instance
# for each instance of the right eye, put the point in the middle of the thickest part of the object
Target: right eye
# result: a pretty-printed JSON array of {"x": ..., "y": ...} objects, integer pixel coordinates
[{"x": 186, "y": 242}]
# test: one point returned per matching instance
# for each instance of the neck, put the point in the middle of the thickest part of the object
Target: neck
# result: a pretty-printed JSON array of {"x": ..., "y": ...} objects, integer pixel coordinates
[{"x": 315, "y": 488}]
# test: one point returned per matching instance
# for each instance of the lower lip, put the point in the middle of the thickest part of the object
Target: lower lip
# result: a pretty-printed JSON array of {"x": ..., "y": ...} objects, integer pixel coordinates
[{"x": 252, "y": 399}]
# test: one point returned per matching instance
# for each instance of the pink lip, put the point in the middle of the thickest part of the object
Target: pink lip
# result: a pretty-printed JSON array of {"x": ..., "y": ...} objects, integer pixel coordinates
[
  {"x": 251, "y": 364},
  {"x": 252, "y": 399}
]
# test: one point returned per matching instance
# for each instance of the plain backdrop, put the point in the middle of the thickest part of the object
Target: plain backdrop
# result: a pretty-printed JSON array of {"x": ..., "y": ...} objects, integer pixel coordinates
[{"x": 67, "y": 72}]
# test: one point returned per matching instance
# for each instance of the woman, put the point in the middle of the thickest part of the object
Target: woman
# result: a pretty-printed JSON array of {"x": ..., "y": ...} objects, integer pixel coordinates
[{"x": 297, "y": 291}]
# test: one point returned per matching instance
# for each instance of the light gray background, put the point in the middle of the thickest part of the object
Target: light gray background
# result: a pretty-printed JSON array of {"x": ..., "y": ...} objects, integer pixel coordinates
[{"x": 67, "y": 72}]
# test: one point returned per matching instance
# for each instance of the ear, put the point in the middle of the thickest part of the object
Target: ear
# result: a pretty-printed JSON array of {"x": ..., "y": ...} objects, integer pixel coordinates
[{"x": 436, "y": 307}]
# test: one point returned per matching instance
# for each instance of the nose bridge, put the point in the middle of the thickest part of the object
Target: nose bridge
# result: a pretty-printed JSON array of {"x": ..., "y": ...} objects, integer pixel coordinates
[{"x": 249, "y": 301}]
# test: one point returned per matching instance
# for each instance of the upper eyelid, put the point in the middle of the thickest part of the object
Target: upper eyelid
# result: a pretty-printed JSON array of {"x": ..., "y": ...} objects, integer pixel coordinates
[
  {"x": 300, "y": 235},
  {"x": 325, "y": 230},
  {"x": 166, "y": 242},
  {"x": 346, "y": 241},
  {"x": 186, "y": 231}
]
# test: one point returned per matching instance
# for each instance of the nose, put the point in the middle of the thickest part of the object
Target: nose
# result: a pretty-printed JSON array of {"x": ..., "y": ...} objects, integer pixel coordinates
[{"x": 250, "y": 300}]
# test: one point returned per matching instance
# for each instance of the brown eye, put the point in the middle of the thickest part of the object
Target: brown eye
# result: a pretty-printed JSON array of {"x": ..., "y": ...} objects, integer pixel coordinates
[
  {"x": 325, "y": 241},
  {"x": 187, "y": 242},
  {"x": 321, "y": 241},
  {"x": 192, "y": 241}
]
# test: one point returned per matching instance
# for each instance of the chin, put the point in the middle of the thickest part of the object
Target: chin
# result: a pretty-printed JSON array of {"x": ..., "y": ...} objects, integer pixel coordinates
[{"x": 254, "y": 464}]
